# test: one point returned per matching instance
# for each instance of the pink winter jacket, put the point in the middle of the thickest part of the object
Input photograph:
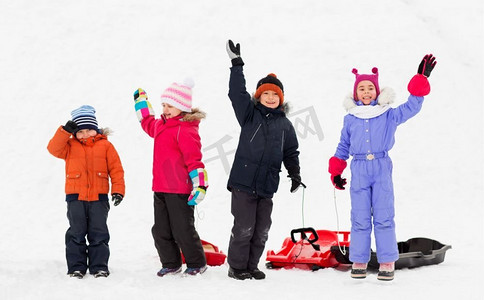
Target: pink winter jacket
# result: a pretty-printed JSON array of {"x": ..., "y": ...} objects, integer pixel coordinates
[{"x": 177, "y": 151}]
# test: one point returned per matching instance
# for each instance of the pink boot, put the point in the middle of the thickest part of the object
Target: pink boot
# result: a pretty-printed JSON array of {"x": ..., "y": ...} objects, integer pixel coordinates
[
  {"x": 386, "y": 271},
  {"x": 358, "y": 270}
]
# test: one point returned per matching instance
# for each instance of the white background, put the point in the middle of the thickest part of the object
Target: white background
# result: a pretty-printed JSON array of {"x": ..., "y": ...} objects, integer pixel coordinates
[{"x": 57, "y": 55}]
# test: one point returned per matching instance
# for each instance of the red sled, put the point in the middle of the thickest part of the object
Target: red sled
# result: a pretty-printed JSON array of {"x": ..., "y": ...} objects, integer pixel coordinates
[
  {"x": 308, "y": 253},
  {"x": 213, "y": 255}
]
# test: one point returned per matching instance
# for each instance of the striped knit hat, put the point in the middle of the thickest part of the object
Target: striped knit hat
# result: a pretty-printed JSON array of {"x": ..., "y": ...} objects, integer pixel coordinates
[
  {"x": 84, "y": 117},
  {"x": 179, "y": 95}
]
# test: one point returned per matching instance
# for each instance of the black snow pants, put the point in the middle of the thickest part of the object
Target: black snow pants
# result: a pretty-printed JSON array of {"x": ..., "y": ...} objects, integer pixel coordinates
[
  {"x": 174, "y": 229},
  {"x": 252, "y": 221},
  {"x": 87, "y": 218}
]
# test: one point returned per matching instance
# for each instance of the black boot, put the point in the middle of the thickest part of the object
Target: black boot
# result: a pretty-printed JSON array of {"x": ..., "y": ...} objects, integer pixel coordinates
[
  {"x": 257, "y": 274},
  {"x": 239, "y": 274}
]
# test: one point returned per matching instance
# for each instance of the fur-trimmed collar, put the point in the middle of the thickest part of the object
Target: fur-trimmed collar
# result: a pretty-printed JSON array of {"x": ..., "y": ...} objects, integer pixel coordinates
[
  {"x": 105, "y": 131},
  {"x": 386, "y": 97},
  {"x": 195, "y": 115},
  {"x": 285, "y": 107}
]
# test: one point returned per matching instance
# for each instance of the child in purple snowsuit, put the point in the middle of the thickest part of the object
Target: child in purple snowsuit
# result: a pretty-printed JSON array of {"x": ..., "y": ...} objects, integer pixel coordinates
[{"x": 368, "y": 134}]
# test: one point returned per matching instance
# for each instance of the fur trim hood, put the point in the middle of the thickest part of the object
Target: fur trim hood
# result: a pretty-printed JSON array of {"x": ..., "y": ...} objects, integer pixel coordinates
[
  {"x": 105, "y": 131},
  {"x": 386, "y": 97},
  {"x": 285, "y": 107},
  {"x": 195, "y": 115}
]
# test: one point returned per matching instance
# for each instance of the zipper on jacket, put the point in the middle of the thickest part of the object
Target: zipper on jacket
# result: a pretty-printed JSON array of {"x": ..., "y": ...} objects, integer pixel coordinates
[
  {"x": 253, "y": 136},
  {"x": 282, "y": 142}
]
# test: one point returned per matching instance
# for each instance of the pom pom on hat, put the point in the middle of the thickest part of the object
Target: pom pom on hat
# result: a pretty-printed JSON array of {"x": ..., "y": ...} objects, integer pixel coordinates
[
  {"x": 270, "y": 83},
  {"x": 371, "y": 77},
  {"x": 189, "y": 82},
  {"x": 179, "y": 95},
  {"x": 85, "y": 117}
]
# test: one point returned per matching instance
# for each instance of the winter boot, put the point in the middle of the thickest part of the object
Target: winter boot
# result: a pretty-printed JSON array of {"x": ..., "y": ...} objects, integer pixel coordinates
[
  {"x": 77, "y": 274},
  {"x": 194, "y": 271},
  {"x": 257, "y": 274},
  {"x": 101, "y": 273},
  {"x": 358, "y": 270},
  {"x": 386, "y": 271},
  {"x": 168, "y": 271},
  {"x": 239, "y": 274}
]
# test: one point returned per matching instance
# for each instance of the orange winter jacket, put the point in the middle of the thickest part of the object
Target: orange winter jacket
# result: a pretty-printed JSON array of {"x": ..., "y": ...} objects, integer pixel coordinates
[{"x": 89, "y": 164}]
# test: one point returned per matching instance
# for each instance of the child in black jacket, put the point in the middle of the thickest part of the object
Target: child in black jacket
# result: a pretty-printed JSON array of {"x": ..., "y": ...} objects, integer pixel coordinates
[{"x": 267, "y": 139}]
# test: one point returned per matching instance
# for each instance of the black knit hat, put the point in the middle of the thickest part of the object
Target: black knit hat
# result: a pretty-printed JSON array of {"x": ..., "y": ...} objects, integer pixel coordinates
[{"x": 270, "y": 82}]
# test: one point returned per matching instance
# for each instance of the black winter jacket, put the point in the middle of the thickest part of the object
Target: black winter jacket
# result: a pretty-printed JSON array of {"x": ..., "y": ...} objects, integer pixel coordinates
[{"x": 267, "y": 139}]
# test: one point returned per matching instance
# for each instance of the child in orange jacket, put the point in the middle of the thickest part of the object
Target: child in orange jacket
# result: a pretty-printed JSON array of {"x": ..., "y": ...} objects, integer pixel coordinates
[{"x": 90, "y": 161}]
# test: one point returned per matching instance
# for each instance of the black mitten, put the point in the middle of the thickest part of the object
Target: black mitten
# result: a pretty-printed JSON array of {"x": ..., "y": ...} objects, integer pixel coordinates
[
  {"x": 117, "y": 198},
  {"x": 234, "y": 53},
  {"x": 296, "y": 183},
  {"x": 295, "y": 178},
  {"x": 338, "y": 182},
  {"x": 70, "y": 126}
]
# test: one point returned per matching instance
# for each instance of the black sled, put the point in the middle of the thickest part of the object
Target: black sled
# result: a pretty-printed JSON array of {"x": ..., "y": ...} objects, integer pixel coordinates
[{"x": 415, "y": 252}]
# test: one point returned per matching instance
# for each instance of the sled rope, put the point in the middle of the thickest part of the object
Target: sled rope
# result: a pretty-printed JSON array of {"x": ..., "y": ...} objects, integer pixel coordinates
[
  {"x": 302, "y": 207},
  {"x": 297, "y": 255},
  {"x": 302, "y": 217},
  {"x": 343, "y": 251},
  {"x": 200, "y": 216}
]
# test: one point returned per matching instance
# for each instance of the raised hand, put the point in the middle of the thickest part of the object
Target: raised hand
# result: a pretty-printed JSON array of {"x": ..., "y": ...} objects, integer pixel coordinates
[
  {"x": 427, "y": 65},
  {"x": 140, "y": 94},
  {"x": 70, "y": 127},
  {"x": 142, "y": 106},
  {"x": 419, "y": 85},
  {"x": 234, "y": 53}
]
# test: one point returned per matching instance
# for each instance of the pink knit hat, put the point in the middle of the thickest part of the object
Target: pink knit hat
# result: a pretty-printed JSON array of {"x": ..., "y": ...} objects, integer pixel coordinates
[
  {"x": 360, "y": 77},
  {"x": 179, "y": 95}
]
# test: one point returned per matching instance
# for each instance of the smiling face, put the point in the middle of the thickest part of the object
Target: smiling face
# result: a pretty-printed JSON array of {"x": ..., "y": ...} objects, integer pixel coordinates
[
  {"x": 169, "y": 111},
  {"x": 85, "y": 133},
  {"x": 366, "y": 92},
  {"x": 270, "y": 99}
]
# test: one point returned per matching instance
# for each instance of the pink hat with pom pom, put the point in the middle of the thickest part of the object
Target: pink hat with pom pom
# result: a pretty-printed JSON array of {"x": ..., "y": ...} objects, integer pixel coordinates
[
  {"x": 179, "y": 95},
  {"x": 371, "y": 77}
]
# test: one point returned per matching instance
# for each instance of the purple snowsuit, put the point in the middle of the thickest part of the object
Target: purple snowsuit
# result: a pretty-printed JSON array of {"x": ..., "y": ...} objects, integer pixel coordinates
[{"x": 368, "y": 134}]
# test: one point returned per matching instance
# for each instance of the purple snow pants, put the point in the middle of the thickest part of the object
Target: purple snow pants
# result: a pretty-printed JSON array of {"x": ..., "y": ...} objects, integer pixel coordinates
[{"x": 372, "y": 200}]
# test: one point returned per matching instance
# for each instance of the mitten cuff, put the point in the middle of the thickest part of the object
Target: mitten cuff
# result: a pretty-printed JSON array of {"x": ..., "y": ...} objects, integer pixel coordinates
[
  {"x": 293, "y": 170},
  {"x": 336, "y": 166},
  {"x": 419, "y": 86},
  {"x": 199, "y": 178},
  {"x": 237, "y": 61},
  {"x": 143, "y": 109}
]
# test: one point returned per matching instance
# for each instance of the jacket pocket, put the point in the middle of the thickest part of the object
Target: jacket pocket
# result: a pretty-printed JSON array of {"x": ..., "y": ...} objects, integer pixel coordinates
[
  {"x": 73, "y": 175},
  {"x": 103, "y": 182},
  {"x": 73, "y": 182},
  {"x": 243, "y": 172}
]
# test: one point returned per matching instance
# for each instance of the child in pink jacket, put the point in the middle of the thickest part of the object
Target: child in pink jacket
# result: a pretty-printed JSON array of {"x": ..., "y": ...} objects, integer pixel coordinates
[{"x": 179, "y": 177}]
